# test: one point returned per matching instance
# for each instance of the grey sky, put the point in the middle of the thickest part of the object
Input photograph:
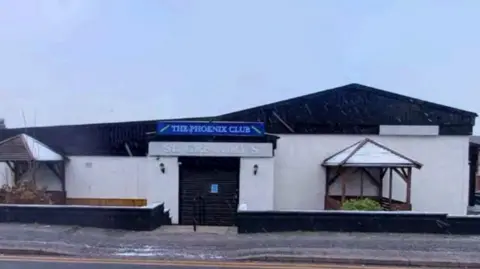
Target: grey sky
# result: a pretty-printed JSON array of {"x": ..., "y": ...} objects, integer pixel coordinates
[{"x": 80, "y": 61}]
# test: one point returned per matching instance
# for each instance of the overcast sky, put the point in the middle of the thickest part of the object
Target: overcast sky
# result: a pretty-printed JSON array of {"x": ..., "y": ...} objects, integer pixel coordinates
[{"x": 80, "y": 61}]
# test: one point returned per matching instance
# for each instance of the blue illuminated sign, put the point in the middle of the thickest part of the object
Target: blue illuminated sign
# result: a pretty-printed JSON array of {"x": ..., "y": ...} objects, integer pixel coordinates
[{"x": 211, "y": 128}]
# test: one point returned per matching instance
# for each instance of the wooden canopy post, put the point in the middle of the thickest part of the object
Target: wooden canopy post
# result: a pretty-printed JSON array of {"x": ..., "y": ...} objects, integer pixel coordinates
[
  {"x": 327, "y": 180},
  {"x": 361, "y": 183},
  {"x": 331, "y": 177},
  {"x": 16, "y": 173},
  {"x": 408, "y": 180},
  {"x": 380, "y": 186},
  {"x": 63, "y": 176},
  {"x": 390, "y": 187},
  {"x": 33, "y": 168},
  {"x": 406, "y": 175}
]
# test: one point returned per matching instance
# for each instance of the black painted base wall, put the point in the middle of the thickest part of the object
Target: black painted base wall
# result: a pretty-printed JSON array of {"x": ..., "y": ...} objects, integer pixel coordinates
[
  {"x": 341, "y": 221},
  {"x": 134, "y": 218}
]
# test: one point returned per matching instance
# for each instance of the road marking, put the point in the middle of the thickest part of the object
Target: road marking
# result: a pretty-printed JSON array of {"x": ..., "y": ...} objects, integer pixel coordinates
[{"x": 218, "y": 264}]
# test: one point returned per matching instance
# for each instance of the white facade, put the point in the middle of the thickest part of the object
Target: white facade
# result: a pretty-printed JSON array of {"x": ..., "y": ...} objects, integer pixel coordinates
[
  {"x": 296, "y": 178},
  {"x": 441, "y": 185},
  {"x": 93, "y": 177},
  {"x": 293, "y": 179},
  {"x": 107, "y": 177},
  {"x": 256, "y": 190}
]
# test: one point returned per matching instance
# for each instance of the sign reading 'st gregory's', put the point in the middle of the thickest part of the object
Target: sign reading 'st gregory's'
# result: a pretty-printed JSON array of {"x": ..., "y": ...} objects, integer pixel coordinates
[{"x": 211, "y": 128}]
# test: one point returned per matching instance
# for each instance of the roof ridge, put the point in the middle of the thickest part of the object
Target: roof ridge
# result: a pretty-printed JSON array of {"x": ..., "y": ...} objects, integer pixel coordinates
[
  {"x": 40, "y": 143},
  {"x": 356, "y": 86},
  {"x": 360, "y": 145},
  {"x": 24, "y": 138},
  {"x": 281, "y": 102},
  {"x": 398, "y": 154},
  {"x": 401, "y": 96},
  {"x": 341, "y": 151}
]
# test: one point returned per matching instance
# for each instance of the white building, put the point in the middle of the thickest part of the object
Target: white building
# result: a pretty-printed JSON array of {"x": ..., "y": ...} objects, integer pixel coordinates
[{"x": 133, "y": 163}]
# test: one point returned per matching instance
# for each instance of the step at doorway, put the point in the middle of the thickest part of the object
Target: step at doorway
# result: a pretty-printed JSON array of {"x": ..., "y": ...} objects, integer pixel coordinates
[{"x": 187, "y": 229}]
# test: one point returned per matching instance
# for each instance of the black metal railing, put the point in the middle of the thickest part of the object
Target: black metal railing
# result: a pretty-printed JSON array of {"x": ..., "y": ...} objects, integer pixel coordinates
[{"x": 199, "y": 212}]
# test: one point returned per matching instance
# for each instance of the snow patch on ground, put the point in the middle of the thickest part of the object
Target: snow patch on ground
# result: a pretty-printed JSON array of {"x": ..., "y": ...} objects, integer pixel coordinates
[{"x": 149, "y": 251}]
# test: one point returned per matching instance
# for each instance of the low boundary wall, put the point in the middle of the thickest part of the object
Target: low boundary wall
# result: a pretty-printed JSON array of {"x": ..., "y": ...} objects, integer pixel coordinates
[
  {"x": 109, "y": 217},
  {"x": 348, "y": 221}
]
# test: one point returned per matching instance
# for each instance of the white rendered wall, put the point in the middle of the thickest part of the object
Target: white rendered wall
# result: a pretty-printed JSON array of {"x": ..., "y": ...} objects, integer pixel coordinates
[
  {"x": 257, "y": 191},
  {"x": 44, "y": 177},
  {"x": 440, "y": 186},
  {"x": 6, "y": 176},
  {"x": 92, "y": 177},
  {"x": 107, "y": 177},
  {"x": 164, "y": 187}
]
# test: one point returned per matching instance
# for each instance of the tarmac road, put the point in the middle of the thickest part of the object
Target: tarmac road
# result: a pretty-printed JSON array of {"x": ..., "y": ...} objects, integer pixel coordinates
[{"x": 29, "y": 262}]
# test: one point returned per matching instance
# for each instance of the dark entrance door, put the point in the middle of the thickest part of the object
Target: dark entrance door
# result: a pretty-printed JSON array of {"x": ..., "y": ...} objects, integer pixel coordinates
[{"x": 209, "y": 190}]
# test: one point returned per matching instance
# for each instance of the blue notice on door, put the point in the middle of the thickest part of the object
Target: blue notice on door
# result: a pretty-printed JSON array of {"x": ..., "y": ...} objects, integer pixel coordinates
[{"x": 214, "y": 188}]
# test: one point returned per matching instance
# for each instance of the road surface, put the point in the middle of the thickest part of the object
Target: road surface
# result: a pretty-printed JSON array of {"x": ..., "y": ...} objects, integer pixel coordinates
[{"x": 28, "y": 262}]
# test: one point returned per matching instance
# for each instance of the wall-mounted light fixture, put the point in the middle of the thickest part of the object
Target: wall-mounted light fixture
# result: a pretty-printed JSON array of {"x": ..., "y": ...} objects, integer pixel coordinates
[
  {"x": 162, "y": 168},
  {"x": 255, "y": 169}
]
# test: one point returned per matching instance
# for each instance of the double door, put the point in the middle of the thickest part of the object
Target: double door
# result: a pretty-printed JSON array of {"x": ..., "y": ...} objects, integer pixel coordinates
[{"x": 208, "y": 196}]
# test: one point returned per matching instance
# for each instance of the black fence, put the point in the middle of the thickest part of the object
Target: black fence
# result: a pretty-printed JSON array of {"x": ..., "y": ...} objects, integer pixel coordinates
[
  {"x": 342, "y": 221},
  {"x": 110, "y": 217}
]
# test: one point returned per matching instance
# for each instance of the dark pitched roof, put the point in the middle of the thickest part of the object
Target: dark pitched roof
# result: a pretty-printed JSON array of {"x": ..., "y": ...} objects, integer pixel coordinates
[
  {"x": 354, "y": 108},
  {"x": 350, "y": 109},
  {"x": 94, "y": 139}
]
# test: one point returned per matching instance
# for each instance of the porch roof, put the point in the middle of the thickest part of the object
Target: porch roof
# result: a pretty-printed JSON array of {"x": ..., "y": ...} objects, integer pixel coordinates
[
  {"x": 23, "y": 147},
  {"x": 368, "y": 153}
]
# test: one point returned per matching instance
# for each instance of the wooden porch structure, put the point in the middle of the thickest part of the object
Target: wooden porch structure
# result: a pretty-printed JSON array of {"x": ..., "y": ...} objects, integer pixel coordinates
[
  {"x": 24, "y": 155},
  {"x": 373, "y": 161}
]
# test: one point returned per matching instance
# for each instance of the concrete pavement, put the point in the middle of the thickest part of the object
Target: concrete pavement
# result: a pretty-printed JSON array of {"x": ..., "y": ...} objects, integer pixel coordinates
[
  {"x": 19, "y": 262},
  {"x": 385, "y": 249}
]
